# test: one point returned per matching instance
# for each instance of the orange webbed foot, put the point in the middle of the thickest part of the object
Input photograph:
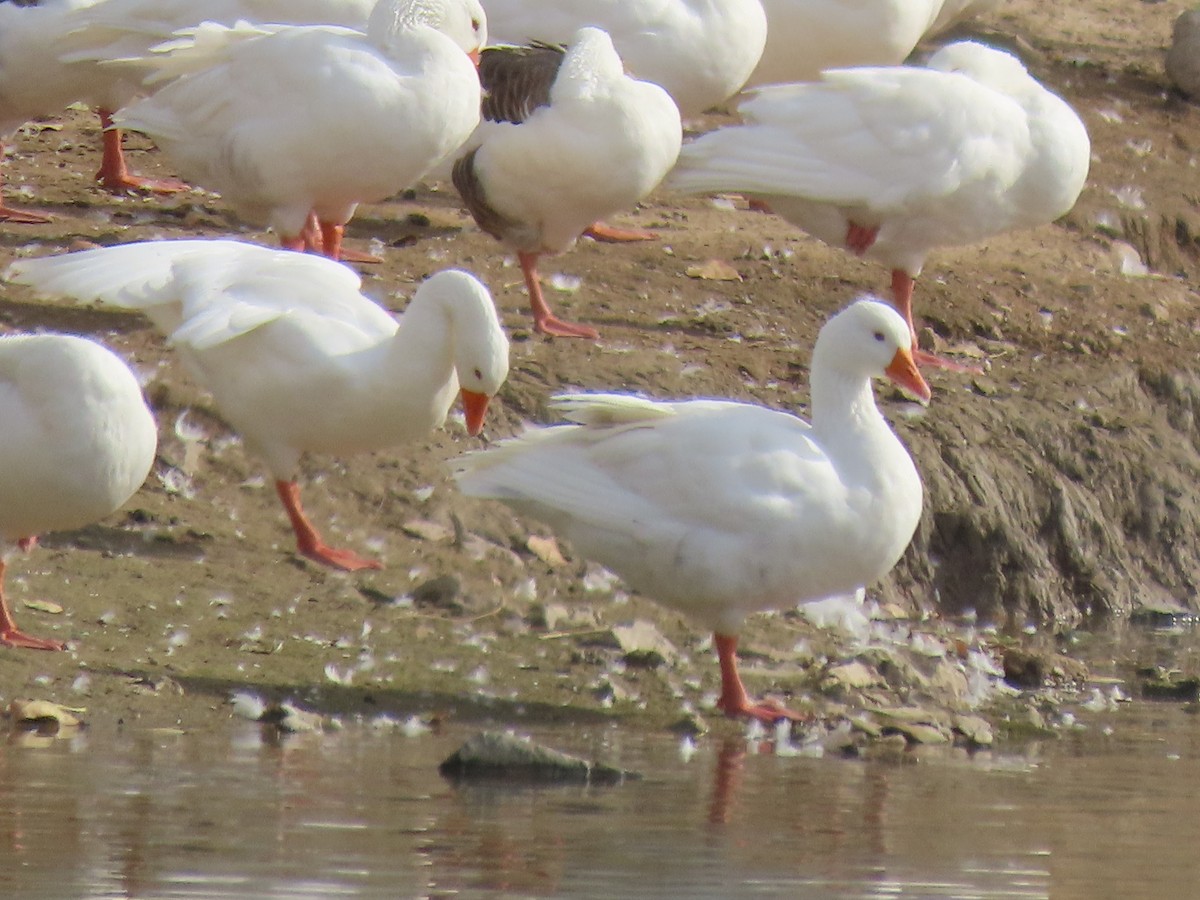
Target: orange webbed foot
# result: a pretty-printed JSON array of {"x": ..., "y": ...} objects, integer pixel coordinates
[
  {"x": 126, "y": 182},
  {"x": 22, "y": 217},
  {"x": 14, "y": 637},
  {"x": 556, "y": 327},
  {"x": 609, "y": 234},
  {"x": 932, "y": 360},
  {"x": 767, "y": 711},
  {"x": 354, "y": 256},
  {"x": 346, "y": 560}
]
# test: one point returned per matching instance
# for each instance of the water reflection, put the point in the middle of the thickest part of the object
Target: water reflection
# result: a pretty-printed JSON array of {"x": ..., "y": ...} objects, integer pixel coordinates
[{"x": 363, "y": 813}]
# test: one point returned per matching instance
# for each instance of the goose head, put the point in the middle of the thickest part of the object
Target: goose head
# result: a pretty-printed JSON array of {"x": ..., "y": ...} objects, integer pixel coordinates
[
  {"x": 591, "y": 61},
  {"x": 869, "y": 339},
  {"x": 996, "y": 69},
  {"x": 480, "y": 354},
  {"x": 463, "y": 21}
]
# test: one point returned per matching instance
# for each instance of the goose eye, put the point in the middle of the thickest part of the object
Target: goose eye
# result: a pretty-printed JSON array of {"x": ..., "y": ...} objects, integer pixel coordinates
[
  {"x": 474, "y": 24},
  {"x": 879, "y": 336},
  {"x": 478, "y": 375}
]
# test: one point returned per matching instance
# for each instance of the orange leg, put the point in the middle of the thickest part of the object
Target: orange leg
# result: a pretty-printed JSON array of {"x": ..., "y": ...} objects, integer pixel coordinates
[
  {"x": 609, "y": 234},
  {"x": 115, "y": 177},
  {"x": 734, "y": 701},
  {"x": 308, "y": 541},
  {"x": 726, "y": 781},
  {"x": 311, "y": 238},
  {"x": 902, "y": 294},
  {"x": 859, "y": 238},
  {"x": 11, "y": 635},
  {"x": 307, "y": 239},
  {"x": 17, "y": 216},
  {"x": 331, "y": 238},
  {"x": 544, "y": 320}
]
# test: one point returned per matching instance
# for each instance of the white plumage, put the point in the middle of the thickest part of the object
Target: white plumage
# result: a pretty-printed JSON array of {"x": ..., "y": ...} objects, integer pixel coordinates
[
  {"x": 64, "y": 51},
  {"x": 77, "y": 441},
  {"x": 591, "y": 143},
  {"x": 806, "y": 37},
  {"x": 700, "y": 51},
  {"x": 722, "y": 509},
  {"x": 296, "y": 125},
  {"x": 296, "y": 358},
  {"x": 894, "y": 162},
  {"x": 953, "y": 12}
]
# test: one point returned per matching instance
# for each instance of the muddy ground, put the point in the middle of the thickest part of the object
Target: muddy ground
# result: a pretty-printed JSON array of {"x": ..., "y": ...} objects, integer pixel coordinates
[{"x": 1060, "y": 484}]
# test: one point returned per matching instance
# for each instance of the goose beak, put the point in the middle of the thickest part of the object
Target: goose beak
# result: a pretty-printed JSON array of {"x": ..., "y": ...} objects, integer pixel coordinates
[
  {"x": 475, "y": 54},
  {"x": 904, "y": 374},
  {"x": 475, "y": 407}
]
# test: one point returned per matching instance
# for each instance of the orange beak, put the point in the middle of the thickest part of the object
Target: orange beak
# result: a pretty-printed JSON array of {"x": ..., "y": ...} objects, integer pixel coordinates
[
  {"x": 475, "y": 407},
  {"x": 905, "y": 375},
  {"x": 475, "y": 54}
]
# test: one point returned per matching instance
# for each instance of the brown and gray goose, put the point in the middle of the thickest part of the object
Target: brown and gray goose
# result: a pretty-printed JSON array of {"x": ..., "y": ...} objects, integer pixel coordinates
[{"x": 567, "y": 139}]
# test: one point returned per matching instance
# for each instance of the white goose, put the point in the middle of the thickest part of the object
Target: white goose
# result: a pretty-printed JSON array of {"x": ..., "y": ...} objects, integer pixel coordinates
[
  {"x": 721, "y": 509},
  {"x": 567, "y": 139},
  {"x": 296, "y": 125},
  {"x": 954, "y": 12},
  {"x": 891, "y": 163},
  {"x": 296, "y": 358},
  {"x": 701, "y": 51},
  {"x": 77, "y": 441},
  {"x": 62, "y": 51},
  {"x": 32, "y": 82},
  {"x": 806, "y": 37}
]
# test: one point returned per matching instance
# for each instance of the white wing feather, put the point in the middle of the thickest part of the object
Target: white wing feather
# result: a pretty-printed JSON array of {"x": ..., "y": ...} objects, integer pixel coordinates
[
  {"x": 881, "y": 135},
  {"x": 636, "y": 464},
  {"x": 205, "y": 292}
]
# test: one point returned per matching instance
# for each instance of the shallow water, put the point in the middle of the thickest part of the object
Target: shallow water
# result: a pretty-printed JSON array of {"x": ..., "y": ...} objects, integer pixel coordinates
[{"x": 363, "y": 813}]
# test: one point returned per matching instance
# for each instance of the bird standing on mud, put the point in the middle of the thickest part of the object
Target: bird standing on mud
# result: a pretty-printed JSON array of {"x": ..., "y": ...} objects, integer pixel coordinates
[
  {"x": 567, "y": 139},
  {"x": 721, "y": 509}
]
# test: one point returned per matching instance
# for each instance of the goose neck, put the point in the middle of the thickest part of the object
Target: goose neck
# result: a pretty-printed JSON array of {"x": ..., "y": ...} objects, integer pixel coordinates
[
  {"x": 424, "y": 343},
  {"x": 844, "y": 411}
]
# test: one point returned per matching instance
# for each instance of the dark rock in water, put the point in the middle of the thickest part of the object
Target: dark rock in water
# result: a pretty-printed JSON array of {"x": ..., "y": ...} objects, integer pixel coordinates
[
  {"x": 974, "y": 730},
  {"x": 689, "y": 725},
  {"x": 441, "y": 592},
  {"x": 1162, "y": 616},
  {"x": 291, "y": 719},
  {"x": 1158, "y": 685},
  {"x": 495, "y": 755},
  {"x": 1024, "y": 669}
]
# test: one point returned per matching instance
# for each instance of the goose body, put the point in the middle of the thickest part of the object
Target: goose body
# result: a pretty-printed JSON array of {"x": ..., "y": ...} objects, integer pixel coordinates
[
  {"x": 954, "y": 12},
  {"x": 295, "y": 357},
  {"x": 567, "y": 139},
  {"x": 806, "y": 37},
  {"x": 32, "y": 82},
  {"x": 58, "y": 52},
  {"x": 296, "y": 125},
  {"x": 892, "y": 163},
  {"x": 721, "y": 509},
  {"x": 700, "y": 51},
  {"x": 77, "y": 441}
]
